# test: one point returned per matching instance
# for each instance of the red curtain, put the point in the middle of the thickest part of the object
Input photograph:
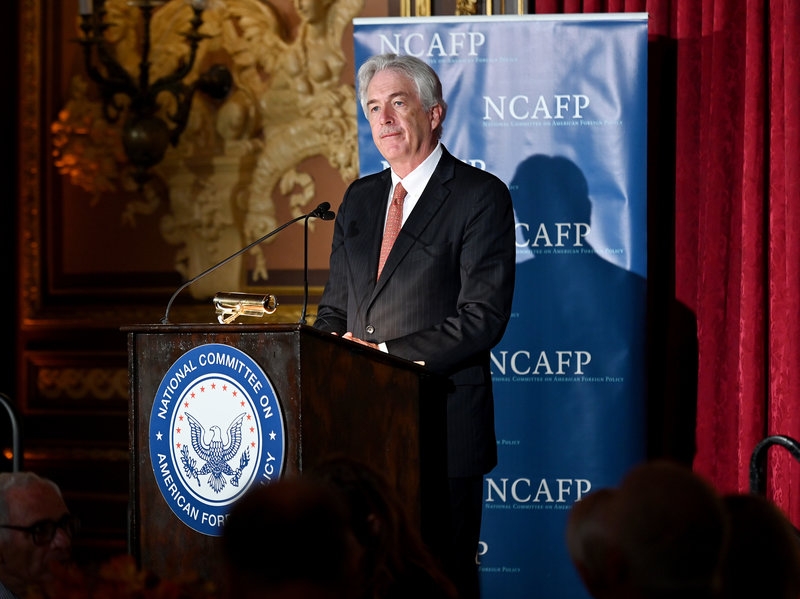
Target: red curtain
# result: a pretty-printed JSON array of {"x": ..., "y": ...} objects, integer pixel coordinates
[{"x": 724, "y": 225}]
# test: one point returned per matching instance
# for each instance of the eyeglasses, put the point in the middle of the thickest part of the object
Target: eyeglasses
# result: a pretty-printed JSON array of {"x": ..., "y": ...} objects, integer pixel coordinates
[{"x": 44, "y": 531}]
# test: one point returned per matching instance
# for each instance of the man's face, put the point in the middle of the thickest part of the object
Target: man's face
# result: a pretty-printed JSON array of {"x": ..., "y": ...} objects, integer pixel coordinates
[
  {"x": 23, "y": 563},
  {"x": 403, "y": 131}
]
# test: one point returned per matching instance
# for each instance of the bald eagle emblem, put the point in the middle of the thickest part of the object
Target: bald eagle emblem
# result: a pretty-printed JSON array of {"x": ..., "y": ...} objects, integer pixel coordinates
[{"x": 216, "y": 453}]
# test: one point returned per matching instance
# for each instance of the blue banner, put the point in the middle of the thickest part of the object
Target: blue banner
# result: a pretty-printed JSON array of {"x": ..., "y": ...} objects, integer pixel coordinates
[{"x": 556, "y": 106}]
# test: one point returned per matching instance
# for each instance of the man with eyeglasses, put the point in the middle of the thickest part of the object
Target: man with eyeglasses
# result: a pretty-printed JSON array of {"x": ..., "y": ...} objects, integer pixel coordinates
[{"x": 35, "y": 533}]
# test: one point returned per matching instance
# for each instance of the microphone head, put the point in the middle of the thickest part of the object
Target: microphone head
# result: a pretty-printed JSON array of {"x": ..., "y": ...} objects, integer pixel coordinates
[
  {"x": 328, "y": 215},
  {"x": 319, "y": 211}
]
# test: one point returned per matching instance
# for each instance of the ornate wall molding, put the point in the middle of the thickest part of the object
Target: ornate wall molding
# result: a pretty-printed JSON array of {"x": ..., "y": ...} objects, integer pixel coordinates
[
  {"x": 239, "y": 163},
  {"x": 29, "y": 182}
]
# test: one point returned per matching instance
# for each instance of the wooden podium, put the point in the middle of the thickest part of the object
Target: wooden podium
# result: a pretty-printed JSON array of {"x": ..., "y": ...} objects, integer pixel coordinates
[{"x": 337, "y": 397}]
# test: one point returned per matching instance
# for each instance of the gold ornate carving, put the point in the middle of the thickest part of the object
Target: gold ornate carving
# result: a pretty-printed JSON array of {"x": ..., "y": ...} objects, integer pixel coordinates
[
  {"x": 287, "y": 105},
  {"x": 423, "y": 8},
  {"x": 466, "y": 7}
]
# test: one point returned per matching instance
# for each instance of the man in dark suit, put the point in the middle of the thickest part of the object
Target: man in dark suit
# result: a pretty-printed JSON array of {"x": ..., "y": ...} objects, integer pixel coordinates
[{"x": 443, "y": 297}]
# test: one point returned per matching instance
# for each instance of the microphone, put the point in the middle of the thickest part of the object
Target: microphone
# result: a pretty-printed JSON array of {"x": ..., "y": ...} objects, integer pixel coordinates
[{"x": 322, "y": 212}]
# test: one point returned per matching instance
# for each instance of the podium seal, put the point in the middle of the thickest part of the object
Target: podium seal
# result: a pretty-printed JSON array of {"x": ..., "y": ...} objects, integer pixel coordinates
[{"x": 216, "y": 428}]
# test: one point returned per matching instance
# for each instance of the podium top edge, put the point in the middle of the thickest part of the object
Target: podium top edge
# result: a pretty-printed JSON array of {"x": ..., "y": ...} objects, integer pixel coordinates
[
  {"x": 302, "y": 330},
  {"x": 213, "y": 327}
]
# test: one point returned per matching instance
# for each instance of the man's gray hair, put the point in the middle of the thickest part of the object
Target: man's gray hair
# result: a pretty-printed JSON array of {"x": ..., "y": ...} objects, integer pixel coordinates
[
  {"x": 429, "y": 87},
  {"x": 13, "y": 480}
]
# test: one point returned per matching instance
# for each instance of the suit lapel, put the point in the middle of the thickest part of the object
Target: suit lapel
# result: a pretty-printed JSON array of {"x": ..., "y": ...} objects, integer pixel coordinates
[
  {"x": 376, "y": 222},
  {"x": 369, "y": 222}
]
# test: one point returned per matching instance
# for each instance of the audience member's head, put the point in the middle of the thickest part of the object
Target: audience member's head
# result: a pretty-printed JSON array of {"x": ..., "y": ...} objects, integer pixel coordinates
[
  {"x": 35, "y": 533},
  {"x": 659, "y": 535},
  {"x": 763, "y": 557},
  {"x": 672, "y": 529},
  {"x": 289, "y": 539},
  {"x": 590, "y": 543},
  {"x": 395, "y": 560}
]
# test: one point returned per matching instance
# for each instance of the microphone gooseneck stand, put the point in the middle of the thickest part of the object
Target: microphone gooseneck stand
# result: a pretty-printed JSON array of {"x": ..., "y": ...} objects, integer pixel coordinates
[{"x": 322, "y": 212}]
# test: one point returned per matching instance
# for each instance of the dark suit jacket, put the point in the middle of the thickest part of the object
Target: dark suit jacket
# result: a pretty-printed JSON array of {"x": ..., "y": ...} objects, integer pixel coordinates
[{"x": 444, "y": 296}]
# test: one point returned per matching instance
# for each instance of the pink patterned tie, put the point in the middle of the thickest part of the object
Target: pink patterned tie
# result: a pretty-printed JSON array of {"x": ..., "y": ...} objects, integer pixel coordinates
[{"x": 393, "y": 224}]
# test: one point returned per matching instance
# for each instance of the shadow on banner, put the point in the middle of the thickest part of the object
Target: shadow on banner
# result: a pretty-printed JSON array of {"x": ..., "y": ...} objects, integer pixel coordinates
[{"x": 569, "y": 379}]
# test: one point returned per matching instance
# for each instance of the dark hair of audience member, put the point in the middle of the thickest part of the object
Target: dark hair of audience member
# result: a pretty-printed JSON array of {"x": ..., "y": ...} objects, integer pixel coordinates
[
  {"x": 672, "y": 529},
  {"x": 763, "y": 556},
  {"x": 660, "y": 534},
  {"x": 289, "y": 539},
  {"x": 396, "y": 562},
  {"x": 590, "y": 543}
]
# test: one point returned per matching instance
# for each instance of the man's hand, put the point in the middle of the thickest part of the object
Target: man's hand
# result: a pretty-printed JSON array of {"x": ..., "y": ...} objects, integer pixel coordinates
[{"x": 349, "y": 335}]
